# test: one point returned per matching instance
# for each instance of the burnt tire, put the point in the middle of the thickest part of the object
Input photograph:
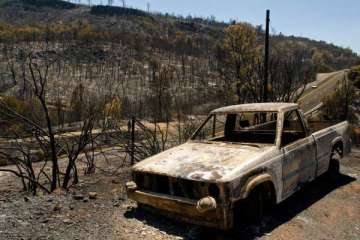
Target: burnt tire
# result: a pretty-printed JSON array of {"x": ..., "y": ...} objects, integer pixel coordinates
[
  {"x": 249, "y": 210},
  {"x": 334, "y": 164},
  {"x": 256, "y": 206},
  {"x": 260, "y": 201}
]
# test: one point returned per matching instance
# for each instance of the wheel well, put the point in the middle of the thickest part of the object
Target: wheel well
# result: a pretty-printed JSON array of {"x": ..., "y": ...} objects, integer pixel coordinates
[
  {"x": 268, "y": 188},
  {"x": 265, "y": 187},
  {"x": 241, "y": 207}
]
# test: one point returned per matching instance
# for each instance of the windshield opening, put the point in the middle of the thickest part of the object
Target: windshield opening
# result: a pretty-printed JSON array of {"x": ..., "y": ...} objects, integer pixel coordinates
[{"x": 242, "y": 127}]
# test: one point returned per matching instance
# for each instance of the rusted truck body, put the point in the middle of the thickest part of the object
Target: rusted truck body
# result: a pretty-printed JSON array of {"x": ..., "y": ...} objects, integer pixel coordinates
[{"x": 241, "y": 155}]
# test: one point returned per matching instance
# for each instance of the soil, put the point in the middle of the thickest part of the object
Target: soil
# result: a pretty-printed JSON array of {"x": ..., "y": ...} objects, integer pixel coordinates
[{"x": 323, "y": 209}]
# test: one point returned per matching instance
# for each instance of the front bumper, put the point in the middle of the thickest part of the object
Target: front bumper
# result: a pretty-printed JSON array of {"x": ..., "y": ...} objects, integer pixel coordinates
[{"x": 183, "y": 209}]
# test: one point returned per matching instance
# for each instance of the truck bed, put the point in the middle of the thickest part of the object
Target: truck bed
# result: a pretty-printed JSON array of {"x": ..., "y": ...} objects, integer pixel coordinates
[{"x": 320, "y": 125}]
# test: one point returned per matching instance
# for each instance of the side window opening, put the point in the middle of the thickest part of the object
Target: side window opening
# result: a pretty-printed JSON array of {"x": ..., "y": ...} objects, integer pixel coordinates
[
  {"x": 293, "y": 128},
  {"x": 212, "y": 129}
]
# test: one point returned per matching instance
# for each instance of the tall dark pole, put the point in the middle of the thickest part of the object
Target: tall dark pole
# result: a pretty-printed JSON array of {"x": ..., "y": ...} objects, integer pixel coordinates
[
  {"x": 266, "y": 62},
  {"x": 132, "y": 155}
]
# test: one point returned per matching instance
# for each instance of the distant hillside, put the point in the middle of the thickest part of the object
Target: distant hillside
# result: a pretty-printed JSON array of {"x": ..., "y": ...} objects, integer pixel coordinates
[{"x": 156, "y": 29}]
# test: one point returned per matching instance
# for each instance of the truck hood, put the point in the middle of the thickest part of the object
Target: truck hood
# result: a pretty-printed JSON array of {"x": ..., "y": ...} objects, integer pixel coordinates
[{"x": 203, "y": 161}]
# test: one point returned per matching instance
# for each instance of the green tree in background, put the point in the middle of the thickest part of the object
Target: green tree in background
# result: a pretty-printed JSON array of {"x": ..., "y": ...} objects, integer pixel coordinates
[{"x": 239, "y": 52}]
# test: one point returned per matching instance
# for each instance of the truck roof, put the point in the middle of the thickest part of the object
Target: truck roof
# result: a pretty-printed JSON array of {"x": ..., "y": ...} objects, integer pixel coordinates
[{"x": 257, "y": 107}]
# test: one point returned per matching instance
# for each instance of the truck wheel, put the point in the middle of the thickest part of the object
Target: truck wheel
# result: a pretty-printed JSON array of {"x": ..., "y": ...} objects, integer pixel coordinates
[
  {"x": 257, "y": 205},
  {"x": 334, "y": 165},
  {"x": 252, "y": 209}
]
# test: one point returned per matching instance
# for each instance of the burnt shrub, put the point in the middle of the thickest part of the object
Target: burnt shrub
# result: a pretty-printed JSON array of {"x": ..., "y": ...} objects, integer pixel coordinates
[
  {"x": 354, "y": 75},
  {"x": 57, "y": 4},
  {"x": 118, "y": 11}
]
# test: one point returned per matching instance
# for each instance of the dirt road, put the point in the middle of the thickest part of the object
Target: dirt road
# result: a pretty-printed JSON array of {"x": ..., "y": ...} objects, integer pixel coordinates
[{"x": 326, "y": 84}]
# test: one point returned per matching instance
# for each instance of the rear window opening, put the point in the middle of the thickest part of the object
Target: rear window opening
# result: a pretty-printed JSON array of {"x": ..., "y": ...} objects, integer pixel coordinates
[{"x": 243, "y": 127}]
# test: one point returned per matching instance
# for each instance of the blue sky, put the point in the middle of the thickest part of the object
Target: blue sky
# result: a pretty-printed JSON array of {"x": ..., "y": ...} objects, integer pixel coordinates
[{"x": 334, "y": 21}]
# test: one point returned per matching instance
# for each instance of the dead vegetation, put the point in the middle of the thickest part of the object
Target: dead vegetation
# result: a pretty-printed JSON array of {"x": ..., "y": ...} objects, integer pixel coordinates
[{"x": 68, "y": 91}]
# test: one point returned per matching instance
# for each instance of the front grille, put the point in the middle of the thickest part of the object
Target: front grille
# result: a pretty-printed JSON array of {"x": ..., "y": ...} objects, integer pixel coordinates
[{"x": 172, "y": 186}]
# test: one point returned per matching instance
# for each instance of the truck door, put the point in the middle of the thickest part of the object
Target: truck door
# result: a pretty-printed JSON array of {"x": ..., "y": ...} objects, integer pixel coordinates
[{"x": 299, "y": 153}]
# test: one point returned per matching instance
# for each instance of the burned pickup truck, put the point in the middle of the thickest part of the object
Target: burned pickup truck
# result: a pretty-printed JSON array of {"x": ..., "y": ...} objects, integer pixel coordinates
[{"x": 242, "y": 160}]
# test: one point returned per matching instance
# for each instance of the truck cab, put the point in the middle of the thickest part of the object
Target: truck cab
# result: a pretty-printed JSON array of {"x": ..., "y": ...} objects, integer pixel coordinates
[{"x": 241, "y": 160}]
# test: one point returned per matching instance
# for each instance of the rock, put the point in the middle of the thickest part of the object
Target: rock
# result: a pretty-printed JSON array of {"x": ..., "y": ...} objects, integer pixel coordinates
[
  {"x": 39, "y": 213},
  {"x": 59, "y": 191},
  {"x": 23, "y": 223},
  {"x": 115, "y": 181},
  {"x": 46, "y": 220},
  {"x": 67, "y": 221},
  {"x": 3, "y": 217},
  {"x": 92, "y": 195},
  {"x": 78, "y": 196},
  {"x": 57, "y": 207},
  {"x": 122, "y": 197}
]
